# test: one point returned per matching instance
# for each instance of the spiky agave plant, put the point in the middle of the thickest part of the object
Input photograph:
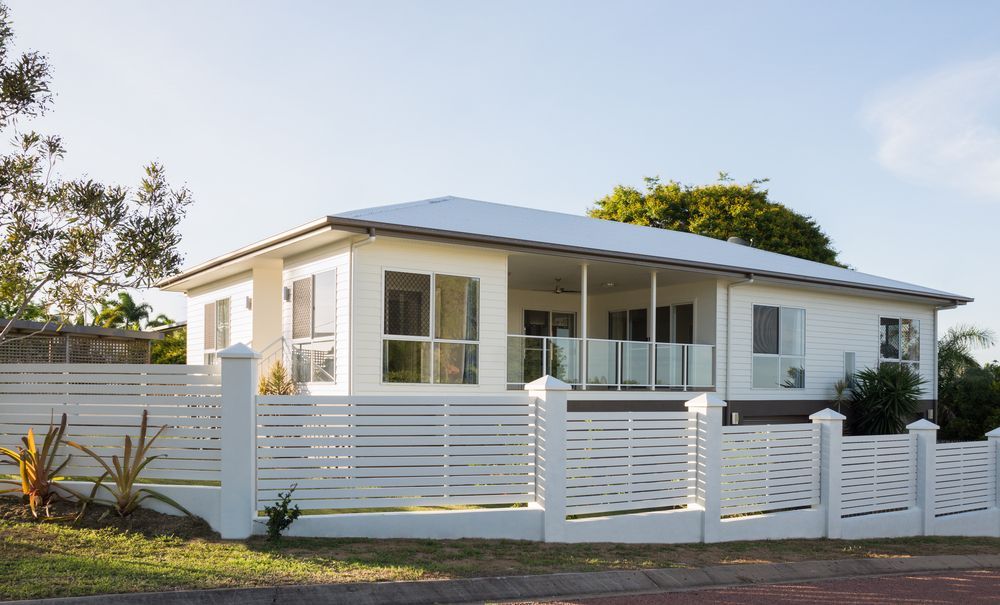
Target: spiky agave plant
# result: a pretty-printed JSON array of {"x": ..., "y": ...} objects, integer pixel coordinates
[
  {"x": 37, "y": 468},
  {"x": 122, "y": 474}
]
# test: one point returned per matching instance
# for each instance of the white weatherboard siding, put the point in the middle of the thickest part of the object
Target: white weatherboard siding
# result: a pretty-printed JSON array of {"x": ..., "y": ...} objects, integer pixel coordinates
[
  {"x": 336, "y": 257},
  {"x": 835, "y": 323},
  {"x": 236, "y": 289},
  {"x": 395, "y": 254}
]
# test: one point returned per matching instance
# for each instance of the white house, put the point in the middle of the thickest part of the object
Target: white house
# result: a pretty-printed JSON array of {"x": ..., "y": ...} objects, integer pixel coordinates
[{"x": 456, "y": 295}]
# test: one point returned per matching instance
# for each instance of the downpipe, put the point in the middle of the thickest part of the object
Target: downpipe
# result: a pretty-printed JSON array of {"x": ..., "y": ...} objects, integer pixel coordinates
[
  {"x": 369, "y": 239},
  {"x": 729, "y": 329}
]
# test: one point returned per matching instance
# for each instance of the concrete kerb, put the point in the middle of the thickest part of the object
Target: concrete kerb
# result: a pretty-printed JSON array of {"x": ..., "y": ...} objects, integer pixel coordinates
[{"x": 562, "y": 585}]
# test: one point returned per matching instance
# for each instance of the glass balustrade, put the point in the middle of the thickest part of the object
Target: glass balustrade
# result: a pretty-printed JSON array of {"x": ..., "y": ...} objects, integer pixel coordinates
[{"x": 610, "y": 364}]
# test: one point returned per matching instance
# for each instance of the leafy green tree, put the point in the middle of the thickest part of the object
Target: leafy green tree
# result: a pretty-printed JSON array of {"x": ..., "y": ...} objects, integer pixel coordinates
[
  {"x": 973, "y": 405},
  {"x": 968, "y": 394},
  {"x": 69, "y": 244},
  {"x": 123, "y": 313},
  {"x": 172, "y": 349},
  {"x": 721, "y": 210}
]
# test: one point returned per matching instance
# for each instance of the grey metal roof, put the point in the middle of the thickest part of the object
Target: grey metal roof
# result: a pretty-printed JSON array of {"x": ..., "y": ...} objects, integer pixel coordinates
[{"x": 504, "y": 224}]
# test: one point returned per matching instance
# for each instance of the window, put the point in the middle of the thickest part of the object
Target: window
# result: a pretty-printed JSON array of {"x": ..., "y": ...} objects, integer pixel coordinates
[
  {"x": 419, "y": 346},
  {"x": 899, "y": 341},
  {"x": 217, "y": 329},
  {"x": 779, "y": 347},
  {"x": 314, "y": 327},
  {"x": 674, "y": 323}
]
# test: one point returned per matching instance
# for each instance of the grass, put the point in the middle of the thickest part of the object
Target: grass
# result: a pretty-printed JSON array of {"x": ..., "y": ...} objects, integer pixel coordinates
[{"x": 46, "y": 559}]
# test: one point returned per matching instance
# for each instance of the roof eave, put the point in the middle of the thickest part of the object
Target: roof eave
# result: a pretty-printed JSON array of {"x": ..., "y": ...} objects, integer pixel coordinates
[{"x": 527, "y": 245}]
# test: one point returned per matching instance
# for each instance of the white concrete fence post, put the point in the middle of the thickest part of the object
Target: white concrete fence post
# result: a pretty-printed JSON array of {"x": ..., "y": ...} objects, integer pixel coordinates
[
  {"x": 238, "y": 447},
  {"x": 831, "y": 431},
  {"x": 926, "y": 432},
  {"x": 994, "y": 439},
  {"x": 550, "y": 453},
  {"x": 707, "y": 409}
]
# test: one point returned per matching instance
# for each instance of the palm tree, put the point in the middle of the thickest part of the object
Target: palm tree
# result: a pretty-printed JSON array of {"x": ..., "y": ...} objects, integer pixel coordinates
[
  {"x": 955, "y": 359},
  {"x": 955, "y": 350},
  {"x": 160, "y": 320},
  {"x": 124, "y": 313}
]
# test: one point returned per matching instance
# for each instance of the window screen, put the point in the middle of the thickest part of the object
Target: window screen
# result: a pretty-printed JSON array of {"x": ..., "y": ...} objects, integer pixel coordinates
[
  {"x": 302, "y": 305},
  {"x": 765, "y": 329},
  {"x": 407, "y": 304}
]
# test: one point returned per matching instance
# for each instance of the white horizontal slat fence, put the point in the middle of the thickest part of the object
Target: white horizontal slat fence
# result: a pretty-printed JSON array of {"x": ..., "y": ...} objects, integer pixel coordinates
[
  {"x": 879, "y": 473},
  {"x": 769, "y": 468},
  {"x": 619, "y": 461},
  {"x": 966, "y": 477},
  {"x": 104, "y": 402},
  {"x": 396, "y": 451}
]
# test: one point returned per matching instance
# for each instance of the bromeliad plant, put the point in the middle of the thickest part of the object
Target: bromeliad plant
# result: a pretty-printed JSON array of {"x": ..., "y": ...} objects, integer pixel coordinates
[
  {"x": 122, "y": 474},
  {"x": 37, "y": 468}
]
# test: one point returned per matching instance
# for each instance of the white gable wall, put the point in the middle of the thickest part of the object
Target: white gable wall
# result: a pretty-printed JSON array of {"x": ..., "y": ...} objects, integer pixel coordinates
[
  {"x": 387, "y": 253},
  {"x": 236, "y": 289},
  {"x": 835, "y": 323}
]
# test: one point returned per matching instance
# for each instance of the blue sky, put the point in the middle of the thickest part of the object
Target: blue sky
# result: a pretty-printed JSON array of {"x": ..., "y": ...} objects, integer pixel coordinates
[{"x": 880, "y": 120}]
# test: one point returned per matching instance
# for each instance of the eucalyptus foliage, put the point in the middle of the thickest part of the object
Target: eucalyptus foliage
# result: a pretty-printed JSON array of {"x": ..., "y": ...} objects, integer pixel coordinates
[
  {"x": 69, "y": 244},
  {"x": 721, "y": 210},
  {"x": 884, "y": 400}
]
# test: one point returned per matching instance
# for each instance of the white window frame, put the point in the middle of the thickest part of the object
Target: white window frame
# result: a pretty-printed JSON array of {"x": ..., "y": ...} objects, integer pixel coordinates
[
  {"x": 313, "y": 339},
  {"x": 431, "y": 329},
  {"x": 914, "y": 364},
  {"x": 210, "y": 356},
  {"x": 778, "y": 355}
]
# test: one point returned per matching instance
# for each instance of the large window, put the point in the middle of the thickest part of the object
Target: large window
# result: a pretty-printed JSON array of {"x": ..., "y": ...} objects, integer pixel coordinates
[
  {"x": 217, "y": 329},
  {"x": 431, "y": 328},
  {"x": 779, "y": 347},
  {"x": 314, "y": 327},
  {"x": 899, "y": 341}
]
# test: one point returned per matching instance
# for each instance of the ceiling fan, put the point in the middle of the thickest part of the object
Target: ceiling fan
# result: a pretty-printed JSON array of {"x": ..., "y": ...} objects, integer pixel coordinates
[{"x": 558, "y": 289}]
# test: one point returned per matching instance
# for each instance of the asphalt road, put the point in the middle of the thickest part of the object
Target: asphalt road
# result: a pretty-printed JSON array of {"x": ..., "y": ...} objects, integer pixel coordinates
[{"x": 967, "y": 587}]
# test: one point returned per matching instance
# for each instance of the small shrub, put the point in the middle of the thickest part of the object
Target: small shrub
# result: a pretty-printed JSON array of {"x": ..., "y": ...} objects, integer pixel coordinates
[
  {"x": 37, "y": 468},
  {"x": 276, "y": 381},
  {"x": 280, "y": 515},
  {"x": 124, "y": 472},
  {"x": 884, "y": 400}
]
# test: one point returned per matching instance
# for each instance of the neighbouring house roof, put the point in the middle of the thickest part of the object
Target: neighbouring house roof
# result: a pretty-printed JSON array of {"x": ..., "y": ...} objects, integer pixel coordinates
[
  {"x": 515, "y": 227},
  {"x": 22, "y": 327}
]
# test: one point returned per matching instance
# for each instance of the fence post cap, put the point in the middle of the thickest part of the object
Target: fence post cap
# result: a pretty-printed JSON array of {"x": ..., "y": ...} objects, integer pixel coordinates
[
  {"x": 547, "y": 383},
  {"x": 922, "y": 425},
  {"x": 705, "y": 400},
  {"x": 827, "y": 414},
  {"x": 238, "y": 351},
  {"x": 994, "y": 434}
]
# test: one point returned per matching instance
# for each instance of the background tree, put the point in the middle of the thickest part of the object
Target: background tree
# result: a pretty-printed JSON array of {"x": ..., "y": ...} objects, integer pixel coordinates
[
  {"x": 968, "y": 394},
  {"x": 721, "y": 210},
  {"x": 123, "y": 313},
  {"x": 69, "y": 244},
  {"x": 172, "y": 349}
]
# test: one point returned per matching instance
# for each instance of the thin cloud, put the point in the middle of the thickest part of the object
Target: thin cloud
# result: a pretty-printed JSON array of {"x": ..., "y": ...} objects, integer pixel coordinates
[{"x": 943, "y": 128}]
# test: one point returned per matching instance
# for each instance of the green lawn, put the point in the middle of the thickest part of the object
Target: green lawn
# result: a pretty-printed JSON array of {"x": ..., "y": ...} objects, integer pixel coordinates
[{"x": 53, "y": 559}]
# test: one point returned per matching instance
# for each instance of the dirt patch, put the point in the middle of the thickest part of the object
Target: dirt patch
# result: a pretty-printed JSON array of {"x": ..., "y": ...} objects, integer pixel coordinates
[{"x": 143, "y": 521}]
